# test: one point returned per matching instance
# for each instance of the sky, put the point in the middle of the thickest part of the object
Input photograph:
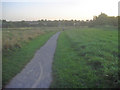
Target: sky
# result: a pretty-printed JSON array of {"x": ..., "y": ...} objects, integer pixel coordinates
[{"x": 16, "y": 10}]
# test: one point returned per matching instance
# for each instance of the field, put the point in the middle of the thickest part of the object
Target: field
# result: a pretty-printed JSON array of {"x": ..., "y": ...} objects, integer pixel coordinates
[
  {"x": 19, "y": 46},
  {"x": 86, "y": 58},
  {"x": 14, "y": 37}
]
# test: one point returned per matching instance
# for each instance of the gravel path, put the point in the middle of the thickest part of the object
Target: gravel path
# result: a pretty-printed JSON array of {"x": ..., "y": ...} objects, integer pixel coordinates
[{"x": 37, "y": 73}]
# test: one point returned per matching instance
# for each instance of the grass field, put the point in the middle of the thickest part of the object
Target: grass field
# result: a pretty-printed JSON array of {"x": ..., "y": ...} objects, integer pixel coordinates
[
  {"x": 15, "y": 58},
  {"x": 86, "y": 57},
  {"x": 14, "y": 37}
]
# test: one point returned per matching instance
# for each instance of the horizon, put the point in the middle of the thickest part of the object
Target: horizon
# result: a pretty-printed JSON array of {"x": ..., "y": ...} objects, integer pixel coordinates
[
  {"x": 55, "y": 19},
  {"x": 57, "y": 10}
]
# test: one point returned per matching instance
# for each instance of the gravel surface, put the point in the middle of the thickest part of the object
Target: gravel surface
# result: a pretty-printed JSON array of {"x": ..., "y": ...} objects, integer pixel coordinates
[{"x": 37, "y": 73}]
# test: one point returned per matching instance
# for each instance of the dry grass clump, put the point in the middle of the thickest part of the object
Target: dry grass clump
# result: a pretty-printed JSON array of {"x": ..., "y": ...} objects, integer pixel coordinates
[{"x": 13, "y": 37}]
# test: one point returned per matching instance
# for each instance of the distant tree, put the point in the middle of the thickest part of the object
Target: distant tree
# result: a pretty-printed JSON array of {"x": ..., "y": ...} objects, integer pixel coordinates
[
  {"x": 100, "y": 20},
  {"x": 103, "y": 20}
]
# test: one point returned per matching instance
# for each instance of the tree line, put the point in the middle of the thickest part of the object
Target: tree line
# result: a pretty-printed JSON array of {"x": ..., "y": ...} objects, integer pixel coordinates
[{"x": 100, "y": 20}]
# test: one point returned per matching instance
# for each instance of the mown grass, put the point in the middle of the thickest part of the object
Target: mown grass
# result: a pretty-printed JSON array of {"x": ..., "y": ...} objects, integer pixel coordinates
[
  {"x": 86, "y": 58},
  {"x": 14, "y": 60}
]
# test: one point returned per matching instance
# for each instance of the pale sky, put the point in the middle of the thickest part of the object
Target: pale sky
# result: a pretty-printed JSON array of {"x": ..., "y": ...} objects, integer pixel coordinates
[{"x": 14, "y": 10}]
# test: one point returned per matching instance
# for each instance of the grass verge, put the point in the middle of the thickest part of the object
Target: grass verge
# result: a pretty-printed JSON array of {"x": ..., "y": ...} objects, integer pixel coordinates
[{"x": 86, "y": 58}]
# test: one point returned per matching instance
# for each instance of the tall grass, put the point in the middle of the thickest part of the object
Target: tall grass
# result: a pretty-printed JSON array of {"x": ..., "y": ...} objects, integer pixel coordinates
[{"x": 12, "y": 38}]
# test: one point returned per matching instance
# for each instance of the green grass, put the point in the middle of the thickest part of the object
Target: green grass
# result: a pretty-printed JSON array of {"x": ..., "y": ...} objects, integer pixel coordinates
[
  {"x": 13, "y": 61},
  {"x": 86, "y": 58}
]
